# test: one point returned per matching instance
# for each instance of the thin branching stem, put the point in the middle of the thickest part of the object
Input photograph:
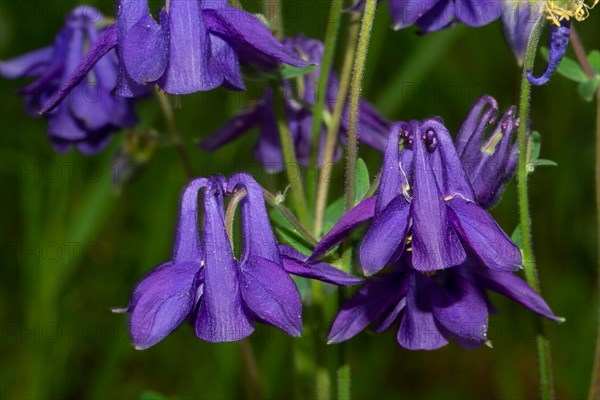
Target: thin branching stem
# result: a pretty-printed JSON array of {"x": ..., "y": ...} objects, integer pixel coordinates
[
  {"x": 360, "y": 62},
  {"x": 273, "y": 10},
  {"x": 290, "y": 217},
  {"x": 333, "y": 129},
  {"x": 292, "y": 167},
  {"x": 331, "y": 35},
  {"x": 364, "y": 37},
  {"x": 167, "y": 110}
]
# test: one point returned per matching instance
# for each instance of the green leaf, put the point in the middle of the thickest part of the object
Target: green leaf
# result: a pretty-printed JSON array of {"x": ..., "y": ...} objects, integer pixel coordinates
[
  {"x": 333, "y": 213},
  {"x": 587, "y": 89},
  {"x": 568, "y": 68},
  {"x": 516, "y": 236},
  {"x": 545, "y": 163},
  {"x": 336, "y": 210},
  {"x": 290, "y": 72},
  {"x": 362, "y": 180},
  {"x": 533, "y": 159},
  {"x": 594, "y": 59},
  {"x": 152, "y": 395},
  {"x": 293, "y": 240},
  {"x": 305, "y": 289},
  {"x": 535, "y": 145},
  {"x": 289, "y": 233}
]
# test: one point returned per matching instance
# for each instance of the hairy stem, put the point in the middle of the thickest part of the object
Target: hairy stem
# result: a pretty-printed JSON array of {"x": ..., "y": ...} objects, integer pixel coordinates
[
  {"x": 167, "y": 110},
  {"x": 331, "y": 35},
  {"x": 343, "y": 371},
  {"x": 292, "y": 168},
  {"x": 323, "y": 188},
  {"x": 273, "y": 10},
  {"x": 542, "y": 343},
  {"x": 334, "y": 128},
  {"x": 355, "y": 90}
]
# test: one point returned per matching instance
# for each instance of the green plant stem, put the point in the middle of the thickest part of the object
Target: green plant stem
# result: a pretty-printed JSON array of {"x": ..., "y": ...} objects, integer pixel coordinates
[
  {"x": 273, "y": 10},
  {"x": 580, "y": 53},
  {"x": 292, "y": 168},
  {"x": 542, "y": 343},
  {"x": 167, "y": 110},
  {"x": 331, "y": 35},
  {"x": 343, "y": 376},
  {"x": 322, "y": 377},
  {"x": 355, "y": 90},
  {"x": 251, "y": 370},
  {"x": 317, "y": 292},
  {"x": 334, "y": 128},
  {"x": 289, "y": 216},
  {"x": 594, "y": 390},
  {"x": 343, "y": 371}
]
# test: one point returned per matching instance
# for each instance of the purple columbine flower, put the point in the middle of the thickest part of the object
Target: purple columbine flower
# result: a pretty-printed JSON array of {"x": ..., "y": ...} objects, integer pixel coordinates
[
  {"x": 490, "y": 159},
  {"x": 373, "y": 127},
  {"x": 433, "y": 15},
  {"x": 91, "y": 114},
  {"x": 197, "y": 45},
  {"x": 425, "y": 204},
  {"x": 224, "y": 297},
  {"x": 432, "y": 309}
]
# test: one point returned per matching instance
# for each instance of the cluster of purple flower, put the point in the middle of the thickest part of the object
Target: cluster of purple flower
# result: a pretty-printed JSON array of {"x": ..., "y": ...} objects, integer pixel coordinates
[
  {"x": 199, "y": 45},
  {"x": 432, "y": 245},
  {"x": 88, "y": 117},
  {"x": 429, "y": 232}
]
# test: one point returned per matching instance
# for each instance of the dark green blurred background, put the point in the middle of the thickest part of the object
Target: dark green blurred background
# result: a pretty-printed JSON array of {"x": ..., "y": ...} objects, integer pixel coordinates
[{"x": 72, "y": 248}]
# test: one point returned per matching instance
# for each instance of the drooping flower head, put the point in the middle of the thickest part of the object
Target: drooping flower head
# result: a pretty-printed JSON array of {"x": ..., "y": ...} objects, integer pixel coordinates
[
  {"x": 426, "y": 206},
  {"x": 88, "y": 117},
  {"x": 299, "y": 99},
  {"x": 429, "y": 310},
  {"x": 196, "y": 45},
  {"x": 204, "y": 283}
]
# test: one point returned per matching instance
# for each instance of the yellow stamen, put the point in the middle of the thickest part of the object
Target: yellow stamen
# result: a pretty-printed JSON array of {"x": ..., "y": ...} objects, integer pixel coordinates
[{"x": 560, "y": 10}]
